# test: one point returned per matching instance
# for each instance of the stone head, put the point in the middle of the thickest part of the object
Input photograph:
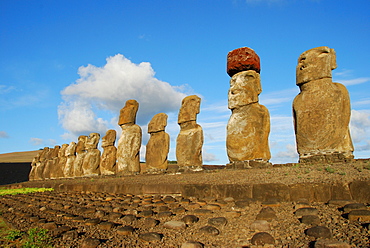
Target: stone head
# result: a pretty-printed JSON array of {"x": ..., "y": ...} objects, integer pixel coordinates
[
  {"x": 82, "y": 139},
  {"x": 190, "y": 107},
  {"x": 92, "y": 141},
  {"x": 316, "y": 63},
  {"x": 55, "y": 151},
  {"x": 71, "y": 149},
  {"x": 109, "y": 138},
  {"x": 157, "y": 123},
  {"x": 244, "y": 89},
  {"x": 62, "y": 150},
  {"x": 242, "y": 59},
  {"x": 127, "y": 114}
]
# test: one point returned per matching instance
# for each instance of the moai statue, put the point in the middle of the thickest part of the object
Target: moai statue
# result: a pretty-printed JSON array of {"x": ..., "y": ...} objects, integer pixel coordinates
[
  {"x": 248, "y": 128},
  {"x": 34, "y": 163},
  {"x": 158, "y": 145},
  {"x": 52, "y": 162},
  {"x": 80, "y": 156},
  {"x": 108, "y": 158},
  {"x": 40, "y": 165},
  {"x": 128, "y": 152},
  {"x": 70, "y": 155},
  {"x": 321, "y": 110},
  {"x": 189, "y": 142},
  {"x": 59, "y": 162},
  {"x": 91, "y": 164}
]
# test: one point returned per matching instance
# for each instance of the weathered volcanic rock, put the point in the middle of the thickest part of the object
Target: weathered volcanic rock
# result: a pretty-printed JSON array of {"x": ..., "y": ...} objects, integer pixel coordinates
[{"x": 242, "y": 59}]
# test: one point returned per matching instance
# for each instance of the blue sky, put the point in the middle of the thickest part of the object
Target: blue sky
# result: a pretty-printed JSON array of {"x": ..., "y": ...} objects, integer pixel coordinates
[{"x": 67, "y": 67}]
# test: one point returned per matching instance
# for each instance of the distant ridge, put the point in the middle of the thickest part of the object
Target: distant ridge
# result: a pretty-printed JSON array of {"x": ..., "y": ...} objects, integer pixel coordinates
[{"x": 18, "y": 157}]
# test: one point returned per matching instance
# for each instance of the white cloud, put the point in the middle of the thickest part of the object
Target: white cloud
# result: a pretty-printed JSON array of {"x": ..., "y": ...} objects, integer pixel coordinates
[
  {"x": 4, "y": 134},
  {"x": 354, "y": 81},
  {"x": 290, "y": 152},
  {"x": 208, "y": 157},
  {"x": 4, "y": 89},
  {"x": 90, "y": 104},
  {"x": 36, "y": 141},
  {"x": 360, "y": 126}
]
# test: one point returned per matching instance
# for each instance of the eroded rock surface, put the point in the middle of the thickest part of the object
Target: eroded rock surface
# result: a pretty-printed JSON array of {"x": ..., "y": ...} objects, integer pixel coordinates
[
  {"x": 108, "y": 159},
  {"x": 322, "y": 110}
]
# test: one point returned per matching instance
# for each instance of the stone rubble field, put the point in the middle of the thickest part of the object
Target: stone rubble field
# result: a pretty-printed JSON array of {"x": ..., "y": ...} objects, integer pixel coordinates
[{"x": 88, "y": 219}]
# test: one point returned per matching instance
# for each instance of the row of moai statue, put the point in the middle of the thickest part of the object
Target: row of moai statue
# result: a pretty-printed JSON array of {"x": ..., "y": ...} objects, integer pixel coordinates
[
  {"x": 84, "y": 159},
  {"x": 321, "y": 111}
]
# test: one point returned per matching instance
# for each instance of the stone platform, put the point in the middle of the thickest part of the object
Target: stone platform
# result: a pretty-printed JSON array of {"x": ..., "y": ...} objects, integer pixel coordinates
[{"x": 314, "y": 183}]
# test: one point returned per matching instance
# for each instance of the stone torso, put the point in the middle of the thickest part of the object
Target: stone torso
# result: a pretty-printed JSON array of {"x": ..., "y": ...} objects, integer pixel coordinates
[{"x": 247, "y": 133}]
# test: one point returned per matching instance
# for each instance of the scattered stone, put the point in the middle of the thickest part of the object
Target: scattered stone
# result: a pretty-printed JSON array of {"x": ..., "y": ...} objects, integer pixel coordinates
[
  {"x": 217, "y": 221},
  {"x": 106, "y": 225},
  {"x": 150, "y": 222},
  {"x": 319, "y": 232},
  {"x": 70, "y": 235},
  {"x": 232, "y": 214},
  {"x": 266, "y": 213},
  {"x": 306, "y": 211},
  {"x": 354, "y": 206},
  {"x": 324, "y": 243},
  {"x": 340, "y": 202},
  {"x": 260, "y": 225},
  {"x": 150, "y": 236},
  {"x": 129, "y": 218},
  {"x": 189, "y": 219},
  {"x": 50, "y": 226},
  {"x": 179, "y": 210},
  {"x": 114, "y": 216},
  {"x": 209, "y": 230},
  {"x": 177, "y": 225},
  {"x": 164, "y": 214},
  {"x": 212, "y": 207},
  {"x": 125, "y": 230},
  {"x": 310, "y": 220},
  {"x": 243, "y": 204},
  {"x": 359, "y": 215},
  {"x": 90, "y": 243},
  {"x": 262, "y": 238},
  {"x": 92, "y": 222},
  {"x": 60, "y": 230},
  {"x": 192, "y": 244},
  {"x": 146, "y": 213},
  {"x": 203, "y": 211}
]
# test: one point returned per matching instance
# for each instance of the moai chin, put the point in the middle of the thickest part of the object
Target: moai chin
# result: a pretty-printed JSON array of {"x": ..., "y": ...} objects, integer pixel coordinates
[
  {"x": 80, "y": 155},
  {"x": 249, "y": 124},
  {"x": 91, "y": 163},
  {"x": 108, "y": 158},
  {"x": 158, "y": 145},
  {"x": 321, "y": 110},
  {"x": 128, "y": 151},
  {"x": 189, "y": 142}
]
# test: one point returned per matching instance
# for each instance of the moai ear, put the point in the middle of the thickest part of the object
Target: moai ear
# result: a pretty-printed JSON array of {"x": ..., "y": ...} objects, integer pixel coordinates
[{"x": 333, "y": 59}]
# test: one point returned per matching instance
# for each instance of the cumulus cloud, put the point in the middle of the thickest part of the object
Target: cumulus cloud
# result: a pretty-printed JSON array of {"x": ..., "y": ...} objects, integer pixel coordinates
[
  {"x": 360, "y": 125},
  {"x": 208, "y": 157},
  {"x": 36, "y": 141},
  {"x": 354, "y": 81},
  {"x": 4, "y": 134},
  {"x": 94, "y": 100}
]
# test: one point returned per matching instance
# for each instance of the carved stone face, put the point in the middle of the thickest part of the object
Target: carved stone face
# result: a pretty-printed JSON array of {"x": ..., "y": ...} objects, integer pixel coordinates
[
  {"x": 315, "y": 64},
  {"x": 109, "y": 138},
  {"x": 157, "y": 123},
  {"x": 92, "y": 141},
  {"x": 244, "y": 89},
  {"x": 189, "y": 109},
  {"x": 128, "y": 113}
]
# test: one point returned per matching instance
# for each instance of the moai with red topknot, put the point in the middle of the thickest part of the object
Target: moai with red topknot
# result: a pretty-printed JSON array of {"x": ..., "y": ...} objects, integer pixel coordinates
[{"x": 248, "y": 128}]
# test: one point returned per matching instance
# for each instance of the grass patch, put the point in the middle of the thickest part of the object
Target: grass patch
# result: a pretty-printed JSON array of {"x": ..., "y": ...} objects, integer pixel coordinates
[
  {"x": 4, "y": 191},
  {"x": 329, "y": 169}
]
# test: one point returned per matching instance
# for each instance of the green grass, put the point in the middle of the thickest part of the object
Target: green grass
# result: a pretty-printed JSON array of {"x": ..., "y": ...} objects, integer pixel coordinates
[
  {"x": 37, "y": 238},
  {"x": 329, "y": 169},
  {"x": 4, "y": 191}
]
